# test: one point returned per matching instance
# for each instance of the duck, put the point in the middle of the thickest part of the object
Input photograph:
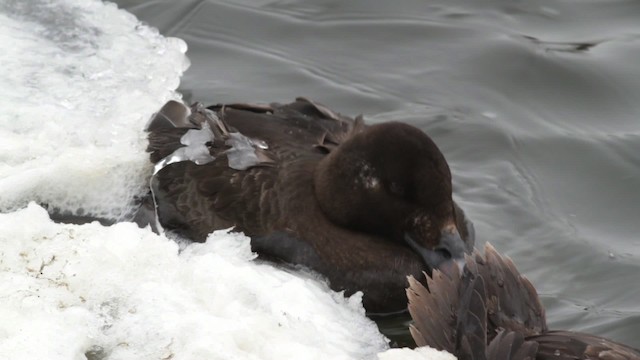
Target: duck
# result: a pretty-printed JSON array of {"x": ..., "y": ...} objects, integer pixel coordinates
[
  {"x": 490, "y": 311},
  {"x": 363, "y": 205}
]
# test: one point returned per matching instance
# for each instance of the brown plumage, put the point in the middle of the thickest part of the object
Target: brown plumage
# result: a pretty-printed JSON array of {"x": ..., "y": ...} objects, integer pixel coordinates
[
  {"x": 492, "y": 312},
  {"x": 364, "y": 205}
]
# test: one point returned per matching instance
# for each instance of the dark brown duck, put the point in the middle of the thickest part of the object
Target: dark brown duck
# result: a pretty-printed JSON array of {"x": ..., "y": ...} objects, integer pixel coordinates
[
  {"x": 363, "y": 205},
  {"x": 492, "y": 312}
]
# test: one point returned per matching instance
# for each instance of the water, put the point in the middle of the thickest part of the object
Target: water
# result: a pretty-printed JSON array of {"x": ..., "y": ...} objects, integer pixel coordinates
[{"x": 535, "y": 105}]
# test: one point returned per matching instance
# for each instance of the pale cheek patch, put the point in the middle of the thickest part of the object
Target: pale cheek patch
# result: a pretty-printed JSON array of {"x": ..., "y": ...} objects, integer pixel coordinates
[
  {"x": 366, "y": 177},
  {"x": 371, "y": 182}
]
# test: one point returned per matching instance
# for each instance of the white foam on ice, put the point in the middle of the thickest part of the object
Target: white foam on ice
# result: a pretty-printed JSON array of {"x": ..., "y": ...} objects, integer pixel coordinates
[{"x": 79, "y": 80}]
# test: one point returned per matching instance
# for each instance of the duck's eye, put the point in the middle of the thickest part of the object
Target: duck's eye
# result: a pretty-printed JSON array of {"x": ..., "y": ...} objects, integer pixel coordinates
[{"x": 396, "y": 189}]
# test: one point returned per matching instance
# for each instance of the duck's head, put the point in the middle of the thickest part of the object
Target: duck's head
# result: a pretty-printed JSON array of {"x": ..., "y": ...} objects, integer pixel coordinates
[{"x": 392, "y": 181}]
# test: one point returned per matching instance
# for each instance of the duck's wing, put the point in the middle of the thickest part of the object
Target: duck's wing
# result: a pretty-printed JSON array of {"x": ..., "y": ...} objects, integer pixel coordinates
[
  {"x": 451, "y": 314},
  {"x": 313, "y": 126},
  {"x": 336, "y": 127},
  {"x": 564, "y": 345},
  {"x": 512, "y": 301}
]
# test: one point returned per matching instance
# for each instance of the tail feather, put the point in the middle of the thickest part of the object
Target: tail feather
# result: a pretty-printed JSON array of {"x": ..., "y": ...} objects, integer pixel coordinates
[
  {"x": 511, "y": 345},
  {"x": 450, "y": 315},
  {"x": 471, "y": 326},
  {"x": 512, "y": 301},
  {"x": 432, "y": 311}
]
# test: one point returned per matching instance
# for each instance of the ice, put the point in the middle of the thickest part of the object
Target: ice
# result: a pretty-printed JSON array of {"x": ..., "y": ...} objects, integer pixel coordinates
[
  {"x": 195, "y": 148},
  {"x": 242, "y": 153},
  {"x": 79, "y": 79},
  {"x": 424, "y": 353},
  {"x": 127, "y": 293}
]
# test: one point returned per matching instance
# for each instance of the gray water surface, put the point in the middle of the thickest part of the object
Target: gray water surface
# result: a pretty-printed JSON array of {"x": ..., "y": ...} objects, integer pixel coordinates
[{"x": 535, "y": 104}]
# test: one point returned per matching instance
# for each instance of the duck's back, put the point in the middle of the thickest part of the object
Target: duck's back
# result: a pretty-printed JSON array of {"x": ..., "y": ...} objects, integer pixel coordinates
[{"x": 262, "y": 163}]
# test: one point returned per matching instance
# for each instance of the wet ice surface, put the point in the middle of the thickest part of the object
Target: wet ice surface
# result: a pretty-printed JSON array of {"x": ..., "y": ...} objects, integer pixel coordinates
[{"x": 78, "y": 83}]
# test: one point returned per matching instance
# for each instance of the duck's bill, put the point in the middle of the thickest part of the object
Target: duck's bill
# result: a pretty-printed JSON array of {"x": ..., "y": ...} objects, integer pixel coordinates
[
  {"x": 448, "y": 254},
  {"x": 452, "y": 268}
]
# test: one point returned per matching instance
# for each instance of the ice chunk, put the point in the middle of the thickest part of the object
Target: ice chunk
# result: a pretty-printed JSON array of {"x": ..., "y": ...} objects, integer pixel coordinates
[{"x": 242, "y": 154}]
